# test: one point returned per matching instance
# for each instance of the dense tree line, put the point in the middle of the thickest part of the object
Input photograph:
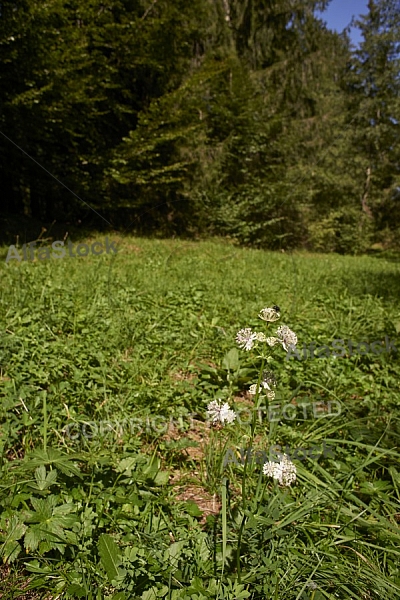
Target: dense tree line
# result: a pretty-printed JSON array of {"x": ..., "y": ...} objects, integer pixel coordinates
[{"x": 246, "y": 118}]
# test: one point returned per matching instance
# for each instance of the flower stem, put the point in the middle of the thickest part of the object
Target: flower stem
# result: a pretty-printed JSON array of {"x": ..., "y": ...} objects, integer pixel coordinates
[
  {"x": 244, "y": 499},
  {"x": 45, "y": 421}
]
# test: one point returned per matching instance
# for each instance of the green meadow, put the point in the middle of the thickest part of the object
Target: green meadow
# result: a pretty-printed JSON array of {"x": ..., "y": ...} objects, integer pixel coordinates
[{"x": 113, "y": 484}]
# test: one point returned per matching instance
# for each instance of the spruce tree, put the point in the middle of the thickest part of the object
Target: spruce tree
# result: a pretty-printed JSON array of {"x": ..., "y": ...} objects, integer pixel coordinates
[{"x": 374, "y": 102}]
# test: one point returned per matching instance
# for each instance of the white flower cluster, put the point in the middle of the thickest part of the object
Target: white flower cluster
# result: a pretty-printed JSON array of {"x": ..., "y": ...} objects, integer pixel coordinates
[
  {"x": 266, "y": 383},
  {"x": 219, "y": 413},
  {"x": 286, "y": 337},
  {"x": 269, "y": 314},
  {"x": 269, "y": 393},
  {"x": 246, "y": 338},
  {"x": 284, "y": 471}
]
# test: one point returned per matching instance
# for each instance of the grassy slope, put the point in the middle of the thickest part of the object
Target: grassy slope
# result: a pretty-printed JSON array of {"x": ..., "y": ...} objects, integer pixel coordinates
[{"x": 144, "y": 333}]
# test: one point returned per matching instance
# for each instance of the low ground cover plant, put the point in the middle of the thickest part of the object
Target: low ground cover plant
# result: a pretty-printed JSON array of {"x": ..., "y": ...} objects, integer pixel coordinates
[{"x": 156, "y": 514}]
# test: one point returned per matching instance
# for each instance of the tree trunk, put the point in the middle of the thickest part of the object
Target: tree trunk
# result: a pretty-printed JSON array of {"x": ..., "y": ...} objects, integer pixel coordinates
[{"x": 364, "y": 200}]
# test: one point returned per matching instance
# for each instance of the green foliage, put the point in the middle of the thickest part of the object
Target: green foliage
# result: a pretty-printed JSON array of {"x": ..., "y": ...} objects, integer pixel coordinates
[
  {"x": 160, "y": 161},
  {"x": 340, "y": 232},
  {"x": 109, "y": 555},
  {"x": 245, "y": 119},
  {"x": 373, "y": 86},
  {"x": 129, "y": 514}
]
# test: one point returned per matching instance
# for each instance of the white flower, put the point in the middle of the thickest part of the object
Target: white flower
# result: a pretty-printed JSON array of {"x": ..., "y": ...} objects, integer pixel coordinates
[
  {"x": 269, "y": 314},
  {"x": 261, "y": 337},
  {"x": 269, "y": 393},
  {"x": 312, "y": 585},
  {"x": 246, "y": 338},
  {"x": 272, "y": 341},
  {"x": 220, "y": 413},
  {"x": 253, "y": 389},
  {"x": 286, "y": 337},
  {"x": 284, "y": 471},
  {"x": 268, "y": 380},
  {"x": 269, "y": 469}
]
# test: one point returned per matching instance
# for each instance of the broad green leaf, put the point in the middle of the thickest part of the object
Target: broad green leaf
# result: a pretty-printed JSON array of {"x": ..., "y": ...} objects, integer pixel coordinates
[
  {"x": 44, "y": 481},
  {"x": 15, "y": 529},
  {"x": 126, "y": 465},
  {"x": 230, "y": 362},
  {"x": 109, "y": 555},
  {"x": 64, "y": 509},
  {"x": 173, "y": 552},
  {"x": 202, "y": 547},
  {"x": 161, "y": 478},
  {"x": 32, "y": 539},
  {"x": 9, "y": 551},
  {"x": 55, "y": 457},
  {"x": 40, "y": 476}
]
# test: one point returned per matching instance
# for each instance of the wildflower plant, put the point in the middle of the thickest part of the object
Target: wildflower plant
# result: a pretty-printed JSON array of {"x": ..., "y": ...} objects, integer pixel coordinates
[
  {"x": 220, "y": 413},
  {"x": 263, "y": 389},
  {"x": 284, "y": 471}
]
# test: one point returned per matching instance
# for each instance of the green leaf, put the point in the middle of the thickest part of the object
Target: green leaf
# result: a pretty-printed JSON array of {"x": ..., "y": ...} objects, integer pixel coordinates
[
  {"x": 40, "y": 476},
  {"x": 374, "y": 487},
  {"x": 15, "y": 529},
  {"x": 150, "y": 594},
  {"x": 173, "y": 552},
  {"x": 33, "y": 567},
  {"x": 53, "y": 456},
  {"x": 161, "y": 478},
  {"x": 76, "y": 590},
  {"x": 151, "y": 469},
  {"x": 202, "y": 546},
  {"x": 192, "y": 509},
  {"x": 32, "y": 539},
  {"x": 64, "y": 509},
  {"x": 43, "y": 508},
  {"x": 10, "y": 550},
  {"x": 109, "y": 555},
  {"x": 45, "y": 481},
  {"x": 230, "y": 361},
  {"x": 49, "y": 524},
  {"x": 126, "y": 465}
]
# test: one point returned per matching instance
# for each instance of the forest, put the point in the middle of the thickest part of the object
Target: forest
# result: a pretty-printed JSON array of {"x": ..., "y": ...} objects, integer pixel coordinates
[{"x": 248, "y": 119}]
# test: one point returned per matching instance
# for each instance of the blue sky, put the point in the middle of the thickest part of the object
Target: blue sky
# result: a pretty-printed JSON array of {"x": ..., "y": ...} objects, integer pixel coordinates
[{"x": 339, "y": 14}]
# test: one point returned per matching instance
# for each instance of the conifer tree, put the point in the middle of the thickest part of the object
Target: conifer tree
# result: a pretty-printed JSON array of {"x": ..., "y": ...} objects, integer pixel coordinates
[{"x": 374, "y": 102}]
